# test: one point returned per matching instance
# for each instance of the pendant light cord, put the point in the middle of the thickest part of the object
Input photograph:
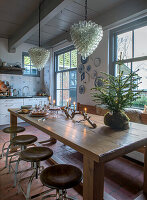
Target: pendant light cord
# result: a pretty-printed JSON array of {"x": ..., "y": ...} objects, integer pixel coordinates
[
  {"x": 39, "y": 22},
  {"x": 85, "y": 9}
]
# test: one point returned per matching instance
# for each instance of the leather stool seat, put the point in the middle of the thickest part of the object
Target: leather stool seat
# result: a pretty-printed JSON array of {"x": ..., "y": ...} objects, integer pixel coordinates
[
  {"x": 61, "y": 176},
  {"x": 24, "y": 139},
  {"x": 36, "y": 154},
  {"x": 14, "y": 129}
]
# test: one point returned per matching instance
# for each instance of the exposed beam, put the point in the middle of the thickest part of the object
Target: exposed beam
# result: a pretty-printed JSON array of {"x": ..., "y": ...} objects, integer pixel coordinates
[
  {"x": 57, "y": 40},
  {"x": 130, "y": 10},
  {"x": 49, "y": 9}
]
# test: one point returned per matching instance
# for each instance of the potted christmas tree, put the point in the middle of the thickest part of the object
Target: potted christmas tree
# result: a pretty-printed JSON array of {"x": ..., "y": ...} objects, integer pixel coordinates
[{"x": 117, "y": 93}]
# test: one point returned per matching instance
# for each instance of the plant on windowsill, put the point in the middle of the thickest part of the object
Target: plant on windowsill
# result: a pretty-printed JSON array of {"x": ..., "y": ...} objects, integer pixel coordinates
[{"x": 117, "y": 93}]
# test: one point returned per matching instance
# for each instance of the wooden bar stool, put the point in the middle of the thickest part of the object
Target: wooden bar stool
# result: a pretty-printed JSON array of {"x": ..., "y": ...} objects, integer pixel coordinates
[
  {"x": 61, "y": 177},
  {"x": 21, "y": 141},
  {"x": 12, "y": 131},
  {"x": 33, "y": 155}
]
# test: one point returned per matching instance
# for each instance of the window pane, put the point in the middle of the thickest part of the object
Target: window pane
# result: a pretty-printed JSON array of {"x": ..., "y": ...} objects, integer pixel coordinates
[
  {"x": 59, "y": 80},
  {"x": 67, "y": 60},
  {"x": 142, "y": 66},
  {"x": 33, "y": 70},
  {"x": 73, "y": 79},
  {"x": 65, "y": 97},
  {"x": 73, "y": 95},
  {"x": 126, "y": 68},
  {"x": 65, "y": 80},
  {"x": 124, "y": 45},
  {"x": 59, "y": 97},
  {"x": 60, "y": 62},
  {"x": 74, "y": 59},
  {"x": 139, "y": 103},
  {"x": 140, "y": 41},
  {"x": 27, "y": 70},
  {"x": 26, "y": 60}
]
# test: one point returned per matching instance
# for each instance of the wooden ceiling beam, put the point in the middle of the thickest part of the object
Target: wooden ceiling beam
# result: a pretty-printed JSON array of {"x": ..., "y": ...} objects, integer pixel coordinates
[
  {"x": 57, "y": 40},
  {"x": 130, "y": 10},
  {"x": 49, "y": 9}
]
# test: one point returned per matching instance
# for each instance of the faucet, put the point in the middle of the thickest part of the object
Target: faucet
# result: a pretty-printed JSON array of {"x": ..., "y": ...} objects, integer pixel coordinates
[{"x": 23, "y": 93}]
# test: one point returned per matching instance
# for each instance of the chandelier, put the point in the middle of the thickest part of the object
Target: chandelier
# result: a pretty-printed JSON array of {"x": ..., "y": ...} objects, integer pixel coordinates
[
  {"x": 86, "y": 35},
  {"x": 39, "y": 56}
]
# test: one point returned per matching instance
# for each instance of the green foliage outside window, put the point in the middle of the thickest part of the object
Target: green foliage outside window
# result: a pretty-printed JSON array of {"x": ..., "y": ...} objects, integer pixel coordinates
[
  {"x": 28, "y": 65},
  {"x": 139, "y": 103},
  {"x": 66, "y": 58},
  {"x": 117, "y": 92}
]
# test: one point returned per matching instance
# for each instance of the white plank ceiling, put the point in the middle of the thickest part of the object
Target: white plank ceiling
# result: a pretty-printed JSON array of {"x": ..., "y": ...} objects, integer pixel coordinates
[{"x": 13, "y": 13}]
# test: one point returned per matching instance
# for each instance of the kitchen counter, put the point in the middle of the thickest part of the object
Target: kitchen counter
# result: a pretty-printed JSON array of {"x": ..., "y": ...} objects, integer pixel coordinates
[
  {"x": 20, "y": 97},
  {"x": 17, "y": 102}
]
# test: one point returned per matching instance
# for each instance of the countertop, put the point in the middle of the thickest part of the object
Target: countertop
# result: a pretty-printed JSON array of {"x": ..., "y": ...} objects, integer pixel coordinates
[{"x": 20, "y": 97}]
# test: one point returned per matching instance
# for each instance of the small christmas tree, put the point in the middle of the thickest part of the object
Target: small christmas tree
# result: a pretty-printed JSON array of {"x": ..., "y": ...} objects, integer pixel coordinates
[{"x": 117, "y": 93}]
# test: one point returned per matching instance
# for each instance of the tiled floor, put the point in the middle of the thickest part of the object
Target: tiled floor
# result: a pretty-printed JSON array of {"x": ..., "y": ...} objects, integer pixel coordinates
[{"x": 123, "y": 178}]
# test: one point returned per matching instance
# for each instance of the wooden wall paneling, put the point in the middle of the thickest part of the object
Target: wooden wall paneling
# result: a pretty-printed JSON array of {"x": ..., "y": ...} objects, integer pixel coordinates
[{"x": 90, "y": 109}]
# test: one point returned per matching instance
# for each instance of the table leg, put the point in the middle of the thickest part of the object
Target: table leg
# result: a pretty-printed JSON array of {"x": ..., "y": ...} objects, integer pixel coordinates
[
  {"x": 93, "y": 179},
  {"x": 145, "y": 171},
  {"x": 13, "y": 122}
]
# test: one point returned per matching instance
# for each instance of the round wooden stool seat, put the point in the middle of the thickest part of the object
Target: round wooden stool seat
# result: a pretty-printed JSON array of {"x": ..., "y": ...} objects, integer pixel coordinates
[
  {"x": 36, "y": 154},
  {"x": 24, "y": 139},
  {"x": 14, "y": 129},
  {"x": 61, "y": 176}
]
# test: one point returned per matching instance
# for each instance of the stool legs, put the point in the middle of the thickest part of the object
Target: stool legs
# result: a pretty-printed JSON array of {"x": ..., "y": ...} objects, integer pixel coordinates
[
  {"x": 7, "y": 154},
  {"x": 60, "y": 195},
  {"x": 3, "y": 149},
  {"x": 37, "y": 169},
  {"x": 29, "y": 185},
  {"x": 16, "y": 172}
]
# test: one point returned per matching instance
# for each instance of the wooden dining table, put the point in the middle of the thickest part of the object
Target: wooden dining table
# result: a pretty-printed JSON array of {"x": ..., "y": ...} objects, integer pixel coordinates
[{"x": 97, "y": 145}]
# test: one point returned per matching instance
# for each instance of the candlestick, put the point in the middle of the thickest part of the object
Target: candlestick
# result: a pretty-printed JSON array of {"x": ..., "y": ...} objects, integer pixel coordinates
[
  {"x": 54, "y": 102},
  {"x": 145, "y": 109},
  {"x": 49, "y": 99},
  {"x": 67, "y": 103},
  {"x": 120, "y": 55},
  {"x": 74, "y": 103},
  {"x": 85, "y": 109}
]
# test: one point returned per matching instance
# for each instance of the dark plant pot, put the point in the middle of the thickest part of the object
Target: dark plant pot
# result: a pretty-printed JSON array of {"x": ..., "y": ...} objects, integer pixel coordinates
[{"x": 116, "y": 120}]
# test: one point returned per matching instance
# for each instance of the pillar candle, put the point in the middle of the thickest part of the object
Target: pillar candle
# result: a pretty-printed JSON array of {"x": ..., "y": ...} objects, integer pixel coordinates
[
  {"x": 67, "y": 103},
  {"x": 49, "y": 99},
  {"x": 74, "y": 103}
]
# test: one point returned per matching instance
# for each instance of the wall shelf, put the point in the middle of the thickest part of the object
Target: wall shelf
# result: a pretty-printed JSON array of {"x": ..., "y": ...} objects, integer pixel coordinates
[{"x": 11, "y": 70}]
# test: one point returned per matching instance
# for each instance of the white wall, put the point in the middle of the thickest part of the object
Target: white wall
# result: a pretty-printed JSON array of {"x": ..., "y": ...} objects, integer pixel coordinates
[
  {"x": 12, "y": 57},
  {"x": 102, "y": 53},
  {"x": 18, "y": 81}
]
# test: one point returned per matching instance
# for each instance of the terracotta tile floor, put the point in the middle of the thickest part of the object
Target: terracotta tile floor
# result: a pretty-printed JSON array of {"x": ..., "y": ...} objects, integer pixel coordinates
[{"x": 123, "y": 178}]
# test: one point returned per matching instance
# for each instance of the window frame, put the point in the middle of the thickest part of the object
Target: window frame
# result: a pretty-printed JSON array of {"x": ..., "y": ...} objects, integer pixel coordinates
[
  {"x": 113, "y": 47},
  {"x": 23, "y": 65},
  {"x": 113, "y": 43},
  {"x": 56, "y": 71}
]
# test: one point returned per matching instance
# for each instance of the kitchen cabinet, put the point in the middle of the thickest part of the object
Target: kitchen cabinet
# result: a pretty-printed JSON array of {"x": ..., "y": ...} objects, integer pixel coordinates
[
  {"x": 34, "y": 101},
  {"x": 16, "y": 103},
  {"x": 4, "y": 105}
]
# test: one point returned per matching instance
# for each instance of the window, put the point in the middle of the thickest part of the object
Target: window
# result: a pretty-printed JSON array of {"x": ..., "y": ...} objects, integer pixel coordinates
[
  {"x": 66, "y": 75},
  {"x": 131, "y": 40},
  {"x": 30, "y": 70}
]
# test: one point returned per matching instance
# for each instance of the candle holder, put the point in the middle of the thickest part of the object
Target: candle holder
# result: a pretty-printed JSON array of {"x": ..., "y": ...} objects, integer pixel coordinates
[{"x": 73, "y": 113}]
